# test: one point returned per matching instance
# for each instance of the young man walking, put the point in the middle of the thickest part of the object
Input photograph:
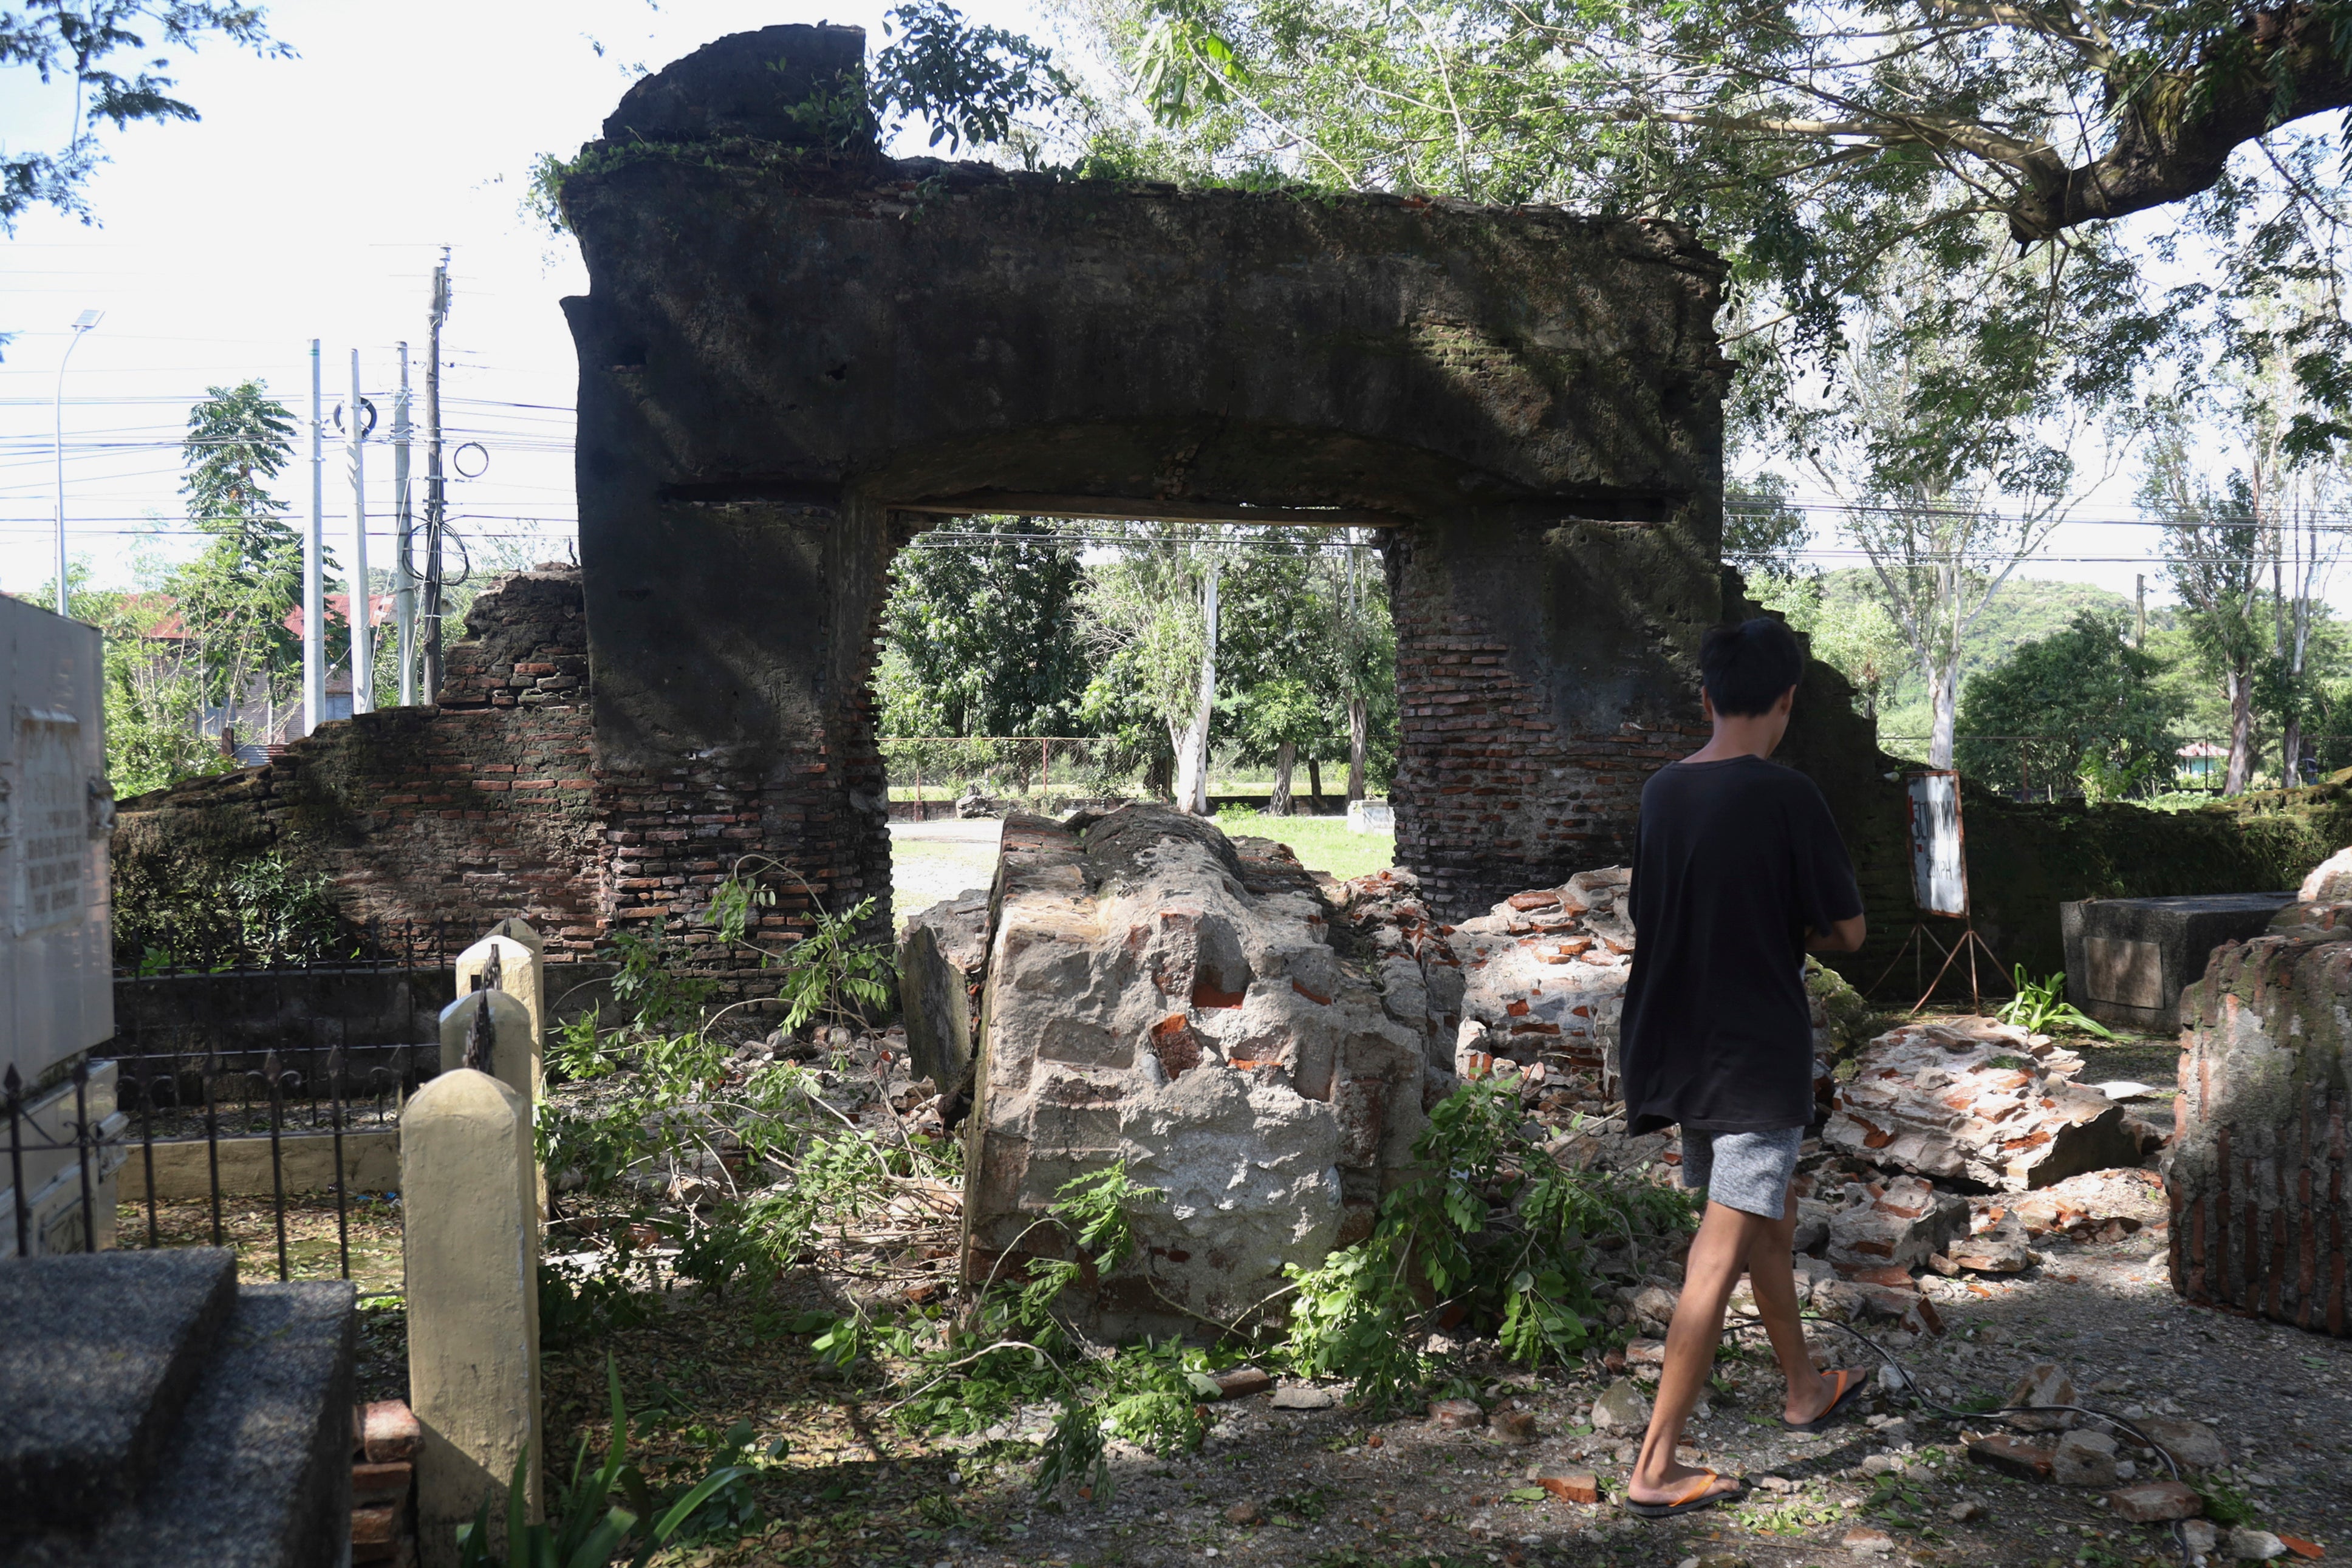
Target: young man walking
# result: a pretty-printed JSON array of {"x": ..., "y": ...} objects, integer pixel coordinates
[{"x": 1737, "y": 869}]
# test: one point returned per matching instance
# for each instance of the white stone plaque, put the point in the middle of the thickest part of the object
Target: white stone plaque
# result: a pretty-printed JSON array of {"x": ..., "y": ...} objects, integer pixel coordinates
[{"x": 51, "y": 822}]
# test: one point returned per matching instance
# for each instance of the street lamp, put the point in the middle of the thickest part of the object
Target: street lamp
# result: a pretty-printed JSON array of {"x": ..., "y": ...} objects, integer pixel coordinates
[{"x": 82, "y": 323}]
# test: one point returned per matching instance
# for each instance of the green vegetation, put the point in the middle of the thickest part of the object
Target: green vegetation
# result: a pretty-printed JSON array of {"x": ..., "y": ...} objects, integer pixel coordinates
[
  {"x": 587, "y": 1528},
  {"x": 1153, "y": 650},
  {"x": 691, "y": 1163},
  {"x": 251, "y": 911},
  {"x": 825, "y": 972},
  {"x": 1490, "y": 1230},
  {"x": 2041, "y": 1008},
  {"x": 1321, "y": 843},
  {"x": 93, "y": 43},
  {"x": 2091, "y": 695}
]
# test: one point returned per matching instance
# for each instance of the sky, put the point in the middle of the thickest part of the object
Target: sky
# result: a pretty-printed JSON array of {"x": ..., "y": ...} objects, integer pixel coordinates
[{"x": 313, "y": 199}]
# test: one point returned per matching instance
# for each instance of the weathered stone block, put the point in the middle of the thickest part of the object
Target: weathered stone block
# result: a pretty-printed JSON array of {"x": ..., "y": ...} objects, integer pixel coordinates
[
  {"x": 1147, "y": 999},
  {"x": 936, "y": 1009},
  {"x": 2153, "y": 1502}
]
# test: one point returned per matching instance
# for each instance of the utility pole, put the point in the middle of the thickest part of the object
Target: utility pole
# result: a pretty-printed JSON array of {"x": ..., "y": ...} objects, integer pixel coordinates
[
  {"x": 404, "y": 524},
  {"x": 314, "y": 549},
  {"x": 2139, "y": 624},
  {"x": 434, "y": 500},
  {"x": 82, "y": 323},
  {"x": 363, "y": 632}
]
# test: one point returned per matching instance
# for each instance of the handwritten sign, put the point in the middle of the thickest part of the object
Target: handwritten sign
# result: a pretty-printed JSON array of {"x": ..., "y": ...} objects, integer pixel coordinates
[
  {"x": 52, "y": 823},
  {"x": 1939, "y": 871}
]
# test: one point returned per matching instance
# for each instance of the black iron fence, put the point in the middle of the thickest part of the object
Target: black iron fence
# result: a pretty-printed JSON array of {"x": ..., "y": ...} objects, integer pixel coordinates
[{"x": 260, "y": 1080}]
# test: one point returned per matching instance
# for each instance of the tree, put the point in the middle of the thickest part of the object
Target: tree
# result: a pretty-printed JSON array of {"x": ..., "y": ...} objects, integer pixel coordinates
[
  {"x": 1274, "y": 719},
  {"x": 2269, "y": 520},
  {"x": 2051, "y": 115},
  {"x": 2214, "y": 565},
  {"x": 82, "y": 41},
  {"x": 153, "y": 695},
  {"x": 982, "y": 633},
  {"x": 1951, "y": 447},
  {"x": 2088, "y": 700},
  {"x": 1363, "y": 654},
  {"x": 233, "y": 600},
  {"x": 1852, "y": 634},
  {"x": 1153, "y": 620},
  {"x": 1763, "y": 532},
  {"x": 1813, "y": 146},
  {"x": 1274, "y": 651}
]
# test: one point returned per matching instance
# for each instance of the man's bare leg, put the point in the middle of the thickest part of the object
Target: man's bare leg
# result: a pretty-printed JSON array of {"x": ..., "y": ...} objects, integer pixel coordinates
[
  {"x": 1719, "y": 1255},
  {"x": 1771, "y": 1279}
]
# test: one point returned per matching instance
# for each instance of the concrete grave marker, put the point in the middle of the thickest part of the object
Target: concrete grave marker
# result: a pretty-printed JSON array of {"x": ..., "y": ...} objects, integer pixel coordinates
[
  {"x": 513, "y": 1058},
  {"x": 471, "y": 1245},
  {"x": 520, "y": 973}
]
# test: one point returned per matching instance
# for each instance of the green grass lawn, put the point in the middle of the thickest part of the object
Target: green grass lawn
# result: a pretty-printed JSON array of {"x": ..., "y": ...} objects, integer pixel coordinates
[{"x": 1321, "y": 843}]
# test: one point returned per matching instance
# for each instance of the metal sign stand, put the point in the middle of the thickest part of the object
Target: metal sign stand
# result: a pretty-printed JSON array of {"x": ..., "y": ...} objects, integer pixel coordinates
[
  {"x": 1939, "y": 886},
  {"x": 1917, "y": 943}
]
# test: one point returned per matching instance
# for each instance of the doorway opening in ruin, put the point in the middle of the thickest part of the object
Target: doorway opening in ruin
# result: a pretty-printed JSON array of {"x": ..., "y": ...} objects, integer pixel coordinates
[{"x": 1237, "y": 662}]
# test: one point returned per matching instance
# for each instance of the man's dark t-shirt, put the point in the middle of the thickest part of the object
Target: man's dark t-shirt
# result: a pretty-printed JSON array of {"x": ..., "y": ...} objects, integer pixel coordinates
[{"x": 1734, "y": 862}]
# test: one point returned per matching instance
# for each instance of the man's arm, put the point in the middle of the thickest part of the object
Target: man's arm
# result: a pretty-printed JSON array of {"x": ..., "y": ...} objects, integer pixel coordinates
[{"x": 1845, "y": 937}]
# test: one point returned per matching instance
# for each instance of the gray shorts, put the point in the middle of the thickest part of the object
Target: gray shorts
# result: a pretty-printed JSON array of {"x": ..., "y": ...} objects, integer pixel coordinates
[{"x": 1746, "y": 1171}]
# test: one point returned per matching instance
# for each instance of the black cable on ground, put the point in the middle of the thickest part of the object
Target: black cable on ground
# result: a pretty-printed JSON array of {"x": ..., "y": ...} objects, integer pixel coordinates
[{"x": 2003, "y": 1414}]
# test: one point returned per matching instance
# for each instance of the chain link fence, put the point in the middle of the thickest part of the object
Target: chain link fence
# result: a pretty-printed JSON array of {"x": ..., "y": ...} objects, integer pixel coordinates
[
  {"x": 2026, "y": 771},
  {"x": 1049, "y": 772}
]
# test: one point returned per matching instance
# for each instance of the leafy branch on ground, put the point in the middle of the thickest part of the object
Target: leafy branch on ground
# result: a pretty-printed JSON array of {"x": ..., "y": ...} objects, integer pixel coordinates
[
  {"x": 829, "y": 973},
  {"x": 1492, "y": 1233}
]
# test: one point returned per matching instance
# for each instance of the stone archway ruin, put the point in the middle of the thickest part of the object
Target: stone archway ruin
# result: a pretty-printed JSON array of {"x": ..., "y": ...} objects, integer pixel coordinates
[{"x": 793, "y": 352}]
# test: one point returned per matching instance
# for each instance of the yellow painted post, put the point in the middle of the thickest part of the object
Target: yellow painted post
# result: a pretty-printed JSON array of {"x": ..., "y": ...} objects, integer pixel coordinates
[{"x": 472, "y": 1288}]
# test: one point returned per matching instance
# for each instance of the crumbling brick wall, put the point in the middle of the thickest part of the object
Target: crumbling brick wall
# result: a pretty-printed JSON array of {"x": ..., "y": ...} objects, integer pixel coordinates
[
  {"x": 481, "y": 807},
  {"x": 2262, "y": 1211}
]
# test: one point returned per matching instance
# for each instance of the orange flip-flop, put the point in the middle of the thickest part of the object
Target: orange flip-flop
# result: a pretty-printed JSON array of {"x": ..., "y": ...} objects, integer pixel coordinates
[
  {"x": 1850, "y": 1386},
  {"x": 1699, "y": 1494}
]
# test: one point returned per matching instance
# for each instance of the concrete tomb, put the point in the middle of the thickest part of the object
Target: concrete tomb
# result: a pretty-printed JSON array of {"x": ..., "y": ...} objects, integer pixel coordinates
[
  {"x": 2128, "y": 959},
  {"x": 154, "y": 1410}
]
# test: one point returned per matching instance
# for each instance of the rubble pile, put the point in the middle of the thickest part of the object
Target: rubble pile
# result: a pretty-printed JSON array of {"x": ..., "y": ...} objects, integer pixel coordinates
[
  {"x": 1979, "y": 1101},
  {"x": 1543, "y": 973},
  {"x": 1534, "y": 991}
]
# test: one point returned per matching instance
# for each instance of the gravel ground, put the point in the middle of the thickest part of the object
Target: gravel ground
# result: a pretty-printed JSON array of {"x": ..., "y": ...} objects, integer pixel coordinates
[{"x": 2281, "y": 1399}]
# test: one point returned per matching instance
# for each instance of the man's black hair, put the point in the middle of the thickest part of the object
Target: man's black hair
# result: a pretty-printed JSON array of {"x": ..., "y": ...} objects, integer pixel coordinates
[{"x": 1747, "y": 666}]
